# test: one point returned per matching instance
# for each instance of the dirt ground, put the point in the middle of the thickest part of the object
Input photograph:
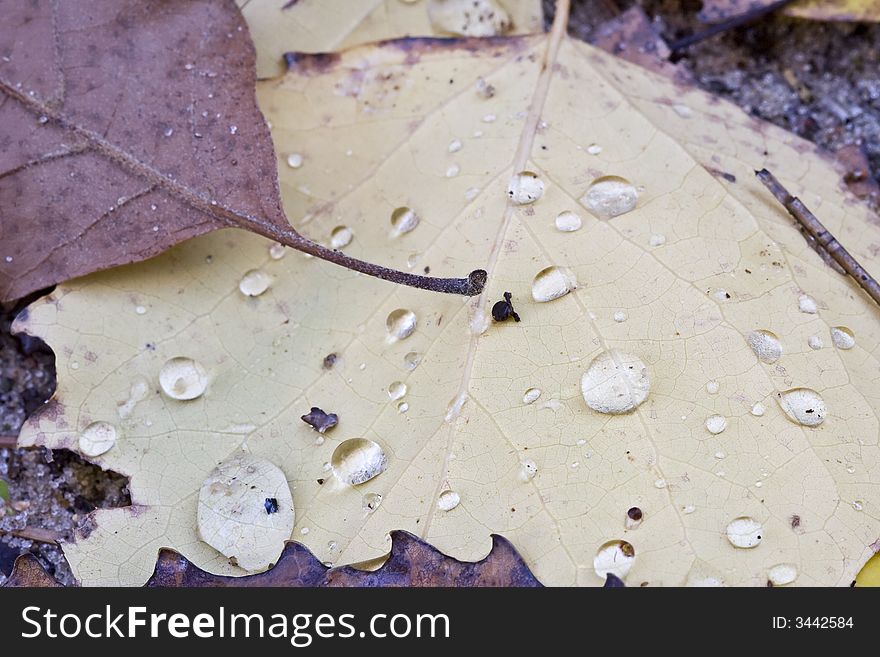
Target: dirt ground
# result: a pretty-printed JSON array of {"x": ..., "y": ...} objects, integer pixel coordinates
[{"x": 819, "y": 80}]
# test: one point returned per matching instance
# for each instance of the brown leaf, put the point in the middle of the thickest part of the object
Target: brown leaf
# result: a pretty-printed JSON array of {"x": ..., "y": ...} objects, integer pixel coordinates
[
  {"x": 28, "y": 572},
  {"x": 127, "y": 128}
]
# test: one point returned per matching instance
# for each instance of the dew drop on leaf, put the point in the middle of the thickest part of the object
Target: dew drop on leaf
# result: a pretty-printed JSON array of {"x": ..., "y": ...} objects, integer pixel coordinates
[
  {"x": 183, "y": 378},
  {"x": 400, "y": 324},
  {"x": 744, "y": 532},
  {"x": 803, "y": 406},
  {"x": 712, "y": 387},
  {"x": 758, "y": 409},
  {"x": 715, "y": 424},
  {"x": 615, "y": 382},
  {"x": 610, "y": 196},
  {"x": 294, "y": 160},
  {"x": 403, "y": 220},
  {"x": 765, "y": 344},
  {"x": 411, "y": 360},
  {"x": 358, "y": 460},
  {"x": 397, "y": 390},
  {"x": 807, "y": 304},
  {"x": 402, "y": 407},
  {"x": 594, "y": 149},
  {"x": 371, "y": 502},
  {"x": 448, "y": 500},
  {"x": 254, "y": 283},
  {"x": 552, "y": 282},
  {"x": 97, "y": 438},
  {"x": 528, "y": 470},
  {"x": 842, "y": 337},
  {"x": 277, "y": 251},
  {"x": 782, "y": 574},
  {"x": 620, "y": 316},
  {"x": 525, "y": 187},
  {"x": 815, "y": 342},
  {"x": 657, "y": 240},
  {"x": 340, "y": 237},
  {"x": 453, "y": 170},
  {"x": 614, "y": 557},
  {"x": 454, "y": 146},
  {"x": 531, "y": 395},
  {"x": 568, "y": 222}
]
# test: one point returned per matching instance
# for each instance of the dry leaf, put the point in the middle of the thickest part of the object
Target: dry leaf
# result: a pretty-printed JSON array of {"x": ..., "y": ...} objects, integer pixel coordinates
[
  {"x": 28, "y": 572},
  {"x": 473, "y": 428},
  {"x": 714, "y": 11},
  {"x": 119, "y": 144},
  {"x": 325, "y": 25}
]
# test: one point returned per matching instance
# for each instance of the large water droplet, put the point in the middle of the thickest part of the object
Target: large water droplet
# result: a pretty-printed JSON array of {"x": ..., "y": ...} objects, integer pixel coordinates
[
  {"x": 553, "y": 282},
  {"x": 615, "y": 382},
  {"x": 765, "y": 344},
  {"x": 614, "y": 557},
  {"x": 715, "y": 424},
  {"x": 567, "y": 221},
  {"x": 782, "y": 574},
  {"x": 97, "y": 438},
  {"x": 401, "y": 323},
  {"x": 803, "y": 405},
  {"x": 358, "y": 460},
  {"x": 254, "y": 283},
  {"x": 531, "y": 395},
  {"x": 396, "y": 390},
  {"x": 340, "y": 237},
  {"x": 448, "y": 500},
  {"x": 183, "y": 378},
  {"x": 610, "y": 196},
  {"x": 403, "y": 220},
  {"x": 294, "y": 160},
  {"x": 525, "y": 187},
  {"x": 842, "y": 337},
  {"x": 744, "y": 532}
]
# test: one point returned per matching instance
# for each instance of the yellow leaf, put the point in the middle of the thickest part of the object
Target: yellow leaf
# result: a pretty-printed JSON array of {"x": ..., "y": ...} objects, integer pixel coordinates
[
  {"x": 325, "y": 25},
  {"x": 869, "y": 575},
  {"x": 651, "y": 272}
]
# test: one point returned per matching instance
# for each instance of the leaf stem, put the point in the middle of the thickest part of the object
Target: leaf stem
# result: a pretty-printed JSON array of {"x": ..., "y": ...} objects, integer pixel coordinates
[{"x": 816, "y": 230}]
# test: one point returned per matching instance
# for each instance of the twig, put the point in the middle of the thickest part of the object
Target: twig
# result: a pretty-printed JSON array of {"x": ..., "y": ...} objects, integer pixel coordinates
[
  {"x": 811, "y": 224},
  {"x": 8, "y": 442},
  {"x": 37, "y": 534},
  {"x": 729, "y": 24}
]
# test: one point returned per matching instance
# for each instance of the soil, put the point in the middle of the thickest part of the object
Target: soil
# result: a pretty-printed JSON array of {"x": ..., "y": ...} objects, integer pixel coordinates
[{"x": 819, "y": 80}]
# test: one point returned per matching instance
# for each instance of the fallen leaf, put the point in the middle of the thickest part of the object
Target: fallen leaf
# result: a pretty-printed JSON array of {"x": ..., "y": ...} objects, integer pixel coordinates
[
  {"x": 28, "y": 572},
  {"x": 869, "y": 575},
  {"x": 714, "y": 11},
  {"x": 116, "y": 144},
  {"x": 680, "y": 255},
  {"x": 326, "y": 25}
]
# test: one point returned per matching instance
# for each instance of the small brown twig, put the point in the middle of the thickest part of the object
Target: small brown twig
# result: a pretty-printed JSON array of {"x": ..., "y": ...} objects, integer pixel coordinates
[
  {"x": 729, "y": 24},
  {"x": 824, "y": 239},
  {"x": 37, "y": 534},
  {"x": 8, "y": 442}
]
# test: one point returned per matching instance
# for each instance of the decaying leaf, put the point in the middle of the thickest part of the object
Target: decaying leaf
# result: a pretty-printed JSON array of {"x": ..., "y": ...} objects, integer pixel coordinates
[
  {"x": 714, "y": 11},
  {"x": 117, "y": 145},
  {"x": 869, "y": 575},
  {"x": 327, "y": 25},
  {"x": 412, "y": 562},
  {"x": 481, "y": 427},
  {"x": 28, "y": 572}
]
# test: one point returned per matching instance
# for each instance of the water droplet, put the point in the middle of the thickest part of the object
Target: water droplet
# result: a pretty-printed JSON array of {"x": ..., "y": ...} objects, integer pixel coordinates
[
  {"x": 568, "y": 222},
  {"x": 403, "y": 220},
  {"x": 553, "y": 282},
  {"x": 357, "y": 460},
  {"x": 97, "y": 438},
  {"x": 842, "y": 337},
  {"x": 744, "y": 532},
  {"x": 294, "y": 160},
  {"x": 610, "y": 196},
  {"x": 634, "y": 517},
  {"x": 712, "y": 387},
  {"x": 782, "y": 574},
  {"x": 168, "y": 132},
  {"x": 765, "y": 344},
  {"x": 721, "y": 294},
  {"x": 850, "y": 469},
  {"x": 489, "y": 118},
  {"x": 594, "y": 149},
  {"x": 453, "y": 408},
  {"x": 371, "y": 502},
  {"x": 620, "y": 316},
  {"x": 479, "y": 321},
  {"x": 688, "y": 509},
  {"x": 715, "y": 424},
  {"x": 803, "y": 405},
  {"x": 614, "y": 557},
  {"x": 183, "y": 379},
  {"x": 304, "y": 531},
  {"x": 411, "y": 360},
  {"x": 531, "y": 395},
  {"x": 140, "y": 310},
  {"x": 454, "y": 146},
  {"x": 413, "y": 259},
  {"x": 615, "y": 382},
  {"x": 815, "y": 342},
  {"x": 657, "y": 240},
  {"x": 858, "y": 505},
  {"x": 277, "y": 251},
  {"x": 254, "y": 283},
  {"x": 683, "y": 111},
  {"x": 233, "y": 129},
  {"x": 452, "y": 171},
  {"x": 660, "y": 484},
  {"x": 400, "y": 323},
  {"x": 448, "y": 500},
  {"x": 525, "y": 187},
  {"x": 807, "y": 304},
  {"x": 528, "y": 470},
  {"x": 402, "y": 407},
  {"x": 340, "y": 237},
  {"x": 719, "y": 455},
  {"x": 471, "y": 193},
  {"x": 396, "y": 390},
  {"x": 758, "y": 409},
  {"x": 331, "y": 545}
]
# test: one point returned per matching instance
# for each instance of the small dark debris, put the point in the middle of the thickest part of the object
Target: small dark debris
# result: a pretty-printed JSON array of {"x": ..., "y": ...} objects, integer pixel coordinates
[
  {"x": 503, "y": 310},
  {"x": 320, "y": 482},
  {"x": 330, "y": 361},
  {"x": 319, "y": 420},
  {"x": 271, "y": 505},
  {"x": 635, "y": 513}
]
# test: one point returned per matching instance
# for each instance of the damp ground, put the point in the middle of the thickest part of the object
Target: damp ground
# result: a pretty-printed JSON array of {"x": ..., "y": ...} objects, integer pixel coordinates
[{"x": 819, "y": 80}]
